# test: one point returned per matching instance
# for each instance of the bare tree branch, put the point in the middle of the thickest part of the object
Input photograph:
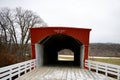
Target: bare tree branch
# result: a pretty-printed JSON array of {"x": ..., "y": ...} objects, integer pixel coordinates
[{"x": 14, "y": 26}]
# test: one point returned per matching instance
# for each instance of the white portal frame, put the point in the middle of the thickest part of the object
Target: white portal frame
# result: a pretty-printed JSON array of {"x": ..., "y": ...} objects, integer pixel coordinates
[{"x": 39, "y": 55}]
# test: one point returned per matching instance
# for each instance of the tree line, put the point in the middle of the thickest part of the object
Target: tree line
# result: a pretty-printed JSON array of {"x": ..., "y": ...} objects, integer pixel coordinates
[{"x": 14, "y": 30}]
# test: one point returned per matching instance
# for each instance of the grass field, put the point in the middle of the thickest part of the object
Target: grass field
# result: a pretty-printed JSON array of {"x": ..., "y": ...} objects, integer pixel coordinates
[
  {"x": 65, "y": 57},
  {"x": 110, "y": 60}
]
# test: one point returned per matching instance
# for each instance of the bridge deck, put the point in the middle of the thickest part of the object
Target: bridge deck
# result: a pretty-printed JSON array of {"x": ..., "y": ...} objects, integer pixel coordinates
[{"x": 62, "y": 73}]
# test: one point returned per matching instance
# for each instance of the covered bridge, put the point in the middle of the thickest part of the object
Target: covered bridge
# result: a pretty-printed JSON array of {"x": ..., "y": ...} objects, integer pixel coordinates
[{"x": 48, "y": 41}]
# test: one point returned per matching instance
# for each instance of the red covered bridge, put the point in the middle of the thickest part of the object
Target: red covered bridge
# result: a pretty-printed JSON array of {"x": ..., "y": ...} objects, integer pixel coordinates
[{"x": 47, "y": 41}]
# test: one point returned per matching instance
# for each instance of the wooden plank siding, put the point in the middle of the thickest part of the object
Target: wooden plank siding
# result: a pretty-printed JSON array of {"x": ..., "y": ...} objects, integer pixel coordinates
[{"x": 62, "y": 73}]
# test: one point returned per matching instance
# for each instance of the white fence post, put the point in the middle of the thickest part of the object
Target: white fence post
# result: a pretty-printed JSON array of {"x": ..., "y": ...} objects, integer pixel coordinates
[
  {"x": 118, "y": 75},
  {"x": 106, "y": 73},
  {"x": 10, "y": 77},
  {"x": 18, "y": 71},
  {"x": 89, "y": 64},
  {"x": 96, "y": 68}
]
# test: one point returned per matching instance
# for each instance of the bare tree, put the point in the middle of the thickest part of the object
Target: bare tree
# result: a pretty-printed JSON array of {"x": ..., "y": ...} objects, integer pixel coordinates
[
  {"x": 4, "y": 26},
  {"x": 26, "y": 19},
  {"x": 14, "y": 28}
]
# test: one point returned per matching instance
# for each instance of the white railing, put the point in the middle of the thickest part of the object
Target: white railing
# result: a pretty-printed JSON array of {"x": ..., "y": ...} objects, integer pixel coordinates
[
  {"x": 104, "y": 67},
  {"x": 16, "y": 70}
]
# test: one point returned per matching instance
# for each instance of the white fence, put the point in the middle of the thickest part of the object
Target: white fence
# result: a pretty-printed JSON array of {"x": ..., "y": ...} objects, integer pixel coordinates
[
  {"x": 104, "y": 67},
  {"x": 9, "y": 72}
]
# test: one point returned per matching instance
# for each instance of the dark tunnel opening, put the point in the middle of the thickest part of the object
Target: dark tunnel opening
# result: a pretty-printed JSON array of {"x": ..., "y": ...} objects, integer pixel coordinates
[{"x": 54, "y": 43}]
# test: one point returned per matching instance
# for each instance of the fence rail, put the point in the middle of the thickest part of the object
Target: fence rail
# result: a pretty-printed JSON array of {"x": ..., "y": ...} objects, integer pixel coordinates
[
  {"x": 104, "y": 67},
  {"x": 9, "y": 72}
]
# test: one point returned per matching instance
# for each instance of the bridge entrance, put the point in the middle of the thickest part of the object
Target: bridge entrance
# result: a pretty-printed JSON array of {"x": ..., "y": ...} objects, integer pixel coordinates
[
  {"x": 66, "y": 45},
  {"x": 60, "y": 46}
]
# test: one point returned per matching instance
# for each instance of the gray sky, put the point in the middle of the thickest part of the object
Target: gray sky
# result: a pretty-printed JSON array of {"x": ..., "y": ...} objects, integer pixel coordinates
[{"x": 102, "y": 16}]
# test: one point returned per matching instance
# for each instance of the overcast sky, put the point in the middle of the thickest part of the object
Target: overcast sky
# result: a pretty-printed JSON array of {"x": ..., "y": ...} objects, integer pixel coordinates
[{"x": 102, "y": 16}]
